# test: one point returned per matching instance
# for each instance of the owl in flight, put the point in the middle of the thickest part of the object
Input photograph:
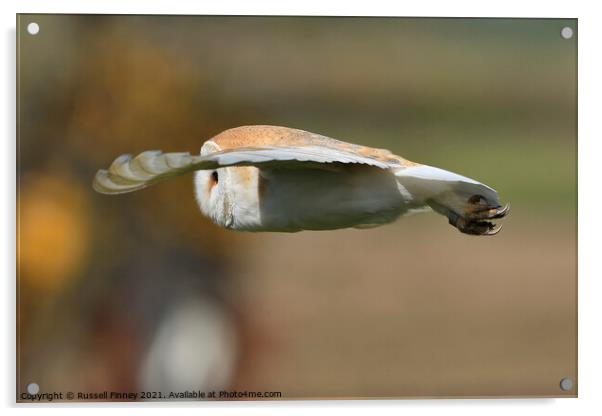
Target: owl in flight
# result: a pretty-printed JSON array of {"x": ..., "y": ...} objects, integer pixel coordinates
[{"x": 268, "y": 178}]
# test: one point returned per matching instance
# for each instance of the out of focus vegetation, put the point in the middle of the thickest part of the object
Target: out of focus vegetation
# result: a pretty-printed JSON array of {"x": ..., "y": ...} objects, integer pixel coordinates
[{"x": 101, "y": 278}]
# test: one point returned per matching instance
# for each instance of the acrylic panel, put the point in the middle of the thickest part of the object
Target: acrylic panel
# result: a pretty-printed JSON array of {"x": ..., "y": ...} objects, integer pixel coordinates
[{"x": 295, "y": 266}]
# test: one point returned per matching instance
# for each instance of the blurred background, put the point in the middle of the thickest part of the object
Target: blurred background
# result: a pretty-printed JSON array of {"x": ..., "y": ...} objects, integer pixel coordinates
[{"x": 140, "y": 292}]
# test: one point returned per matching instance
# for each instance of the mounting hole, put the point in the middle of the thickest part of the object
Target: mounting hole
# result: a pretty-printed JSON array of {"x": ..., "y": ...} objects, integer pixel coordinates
[
  {"x": 33, "y": 28},
  {"x": 33, "y": 388},
  {"x": 566, "y": 32},
  {"x": 566, "y": 384}
]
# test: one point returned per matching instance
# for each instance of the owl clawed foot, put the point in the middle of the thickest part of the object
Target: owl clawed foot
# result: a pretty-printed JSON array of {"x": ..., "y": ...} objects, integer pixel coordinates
[{"x": 476, "y": 221}]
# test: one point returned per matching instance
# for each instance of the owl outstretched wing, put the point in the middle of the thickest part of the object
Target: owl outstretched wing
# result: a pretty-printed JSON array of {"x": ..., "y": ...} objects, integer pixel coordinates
[{"x": 128, "y": 174}]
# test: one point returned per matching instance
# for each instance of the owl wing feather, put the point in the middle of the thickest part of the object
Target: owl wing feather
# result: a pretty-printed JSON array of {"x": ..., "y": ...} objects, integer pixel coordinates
[{"x": 128, "y": 174}]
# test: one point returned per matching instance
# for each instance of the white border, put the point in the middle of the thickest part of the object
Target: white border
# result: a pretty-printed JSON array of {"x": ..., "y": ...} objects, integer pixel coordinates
[{"x": 590, "y": 286}]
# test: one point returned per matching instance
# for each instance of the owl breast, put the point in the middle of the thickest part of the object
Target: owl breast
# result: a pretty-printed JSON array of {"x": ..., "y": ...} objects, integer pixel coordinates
[{"x": 292, "y": 200}]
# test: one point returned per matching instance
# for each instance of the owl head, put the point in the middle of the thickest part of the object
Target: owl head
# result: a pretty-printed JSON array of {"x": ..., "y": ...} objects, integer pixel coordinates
[{"x": 221, "y": 191}]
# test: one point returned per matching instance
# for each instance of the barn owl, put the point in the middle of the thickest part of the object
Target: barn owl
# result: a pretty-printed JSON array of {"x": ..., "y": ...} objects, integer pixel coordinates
[{"x": 269, "y": 178}]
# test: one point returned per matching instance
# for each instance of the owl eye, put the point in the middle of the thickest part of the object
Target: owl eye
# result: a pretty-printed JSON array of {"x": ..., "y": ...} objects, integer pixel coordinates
[{"x": 213, "y": 180}]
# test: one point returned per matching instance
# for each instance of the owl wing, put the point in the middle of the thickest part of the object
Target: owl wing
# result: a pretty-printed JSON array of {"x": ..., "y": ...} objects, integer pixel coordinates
[{"x": 127, "y": 174}]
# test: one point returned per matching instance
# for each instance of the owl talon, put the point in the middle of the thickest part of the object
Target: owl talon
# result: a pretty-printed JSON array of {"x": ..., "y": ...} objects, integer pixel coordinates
[
  {"x": 490, "y": 213},
  {"x": 494, "y": 230},
  {"x": 501, "y": 213}
]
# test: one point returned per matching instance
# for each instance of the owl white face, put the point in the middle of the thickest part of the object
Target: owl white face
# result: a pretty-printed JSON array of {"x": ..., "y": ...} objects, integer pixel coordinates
[
  {"x": 212, "y": 196},
  {"x": 211, "y": 190},
  {"x": 228, "y": 196}
]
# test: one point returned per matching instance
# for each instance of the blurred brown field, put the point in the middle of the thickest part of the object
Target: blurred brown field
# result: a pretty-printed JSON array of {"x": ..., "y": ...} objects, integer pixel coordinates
[
  {"x": 408, "y": 310},
  {"x": 140, "y": 292}
]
